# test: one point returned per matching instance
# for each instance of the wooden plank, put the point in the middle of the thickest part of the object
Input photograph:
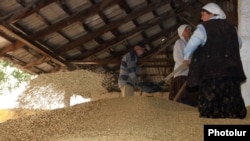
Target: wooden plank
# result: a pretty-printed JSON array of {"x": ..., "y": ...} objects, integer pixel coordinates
[
  {"x": 122, "y": 37},
  {"x": 31, "y": 8},
  {"x": 16, "y": 45},
  {"x": 112, "y": 25},
  {"x": 37, "y": 62},
  {"x": 118, "y": 61},
  {"x": 72, "y": 19}
]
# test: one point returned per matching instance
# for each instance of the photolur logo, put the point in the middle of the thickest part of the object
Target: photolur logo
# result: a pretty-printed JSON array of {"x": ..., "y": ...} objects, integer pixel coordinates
[
  {"x": 215, "y": 132},
  {"x": 235, "y": 132}
]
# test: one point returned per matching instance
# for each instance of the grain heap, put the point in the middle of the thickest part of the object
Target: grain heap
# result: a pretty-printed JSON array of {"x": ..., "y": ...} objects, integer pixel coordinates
[
  {"x": 137, "y": 118},
  {"x": 110, "y": 82},
  {"x": 121, "y": 119},
  {"x": 48, "y": 90}
]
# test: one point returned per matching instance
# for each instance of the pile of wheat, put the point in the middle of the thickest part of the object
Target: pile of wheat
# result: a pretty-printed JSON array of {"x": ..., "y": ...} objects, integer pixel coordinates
[
  {"x": 106, "y": 117},
  {"x": 54, "y": 90}
]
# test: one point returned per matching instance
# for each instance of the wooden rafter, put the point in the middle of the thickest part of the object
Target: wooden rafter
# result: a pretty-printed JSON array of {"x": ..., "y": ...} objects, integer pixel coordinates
[{"x": 80, "y": 40}]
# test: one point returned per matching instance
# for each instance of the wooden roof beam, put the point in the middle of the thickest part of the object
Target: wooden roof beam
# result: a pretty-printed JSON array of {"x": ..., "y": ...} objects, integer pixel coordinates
[
  {"x": 36, "y": 47},
  {"x": 14, "y": 46},
  {"x": 72, "y": 19},
  {"x": 118, "y": 61},
  {"x": 146, "y": 41},
  {"x": 112, "y": 25},
  {"x": 31, "y": 8},
  {"x": 142, "y": 27}
]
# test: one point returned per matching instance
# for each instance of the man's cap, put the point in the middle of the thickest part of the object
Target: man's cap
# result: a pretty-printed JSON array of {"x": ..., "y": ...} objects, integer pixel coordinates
[{"x": 141, "y": 46}]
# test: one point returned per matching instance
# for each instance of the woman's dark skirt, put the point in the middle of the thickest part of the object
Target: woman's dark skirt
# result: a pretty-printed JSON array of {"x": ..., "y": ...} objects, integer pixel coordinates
[
  {"x": 188, "y": 96},
  {"x": 221, "y": 98},
  {"x": 176, "y": 86}
]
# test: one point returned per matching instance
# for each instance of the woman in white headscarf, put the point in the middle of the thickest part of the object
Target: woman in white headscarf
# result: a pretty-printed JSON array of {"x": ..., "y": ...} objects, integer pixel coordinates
[
  {"x": 216, "y": 66},
  {"x": 184, "y": 32}
]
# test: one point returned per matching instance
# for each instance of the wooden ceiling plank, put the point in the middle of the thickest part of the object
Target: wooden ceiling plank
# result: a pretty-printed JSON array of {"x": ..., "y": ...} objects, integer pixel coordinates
[
  {"x": 19, "y": 63},
  {"x": 36, "y": 62},
  {"x": 106, "y": 21},
  {"x": 112, "y": 25},
  {"x": 169, "y": 41},
  {"x": 72, "y": 19},
  {"x": 142, "y": 27},
  {"x": 42, "y": 51},
  {"x": 16, "y": 45},
  {"x": 118, "y": 61},
  {"x": 191, "y": 22},
  {"x": 7, "y": 37},
  {"x": 30, "y": 9},
  {"x": 62, "y": 4},
  {"x": 145, "y": 41},
  {"x": 187, "y": 7},
  {"x": 124, "y": 5},
  {"x": 205, "y": 1}
]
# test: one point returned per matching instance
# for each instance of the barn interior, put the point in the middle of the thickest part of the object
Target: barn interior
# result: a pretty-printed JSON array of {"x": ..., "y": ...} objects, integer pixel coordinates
[
  {"x": 66, "y": 42},
  {"x": 65, "y": 35}
]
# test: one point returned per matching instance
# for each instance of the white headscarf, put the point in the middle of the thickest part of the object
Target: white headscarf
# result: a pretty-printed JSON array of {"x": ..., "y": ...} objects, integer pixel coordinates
[
  {"x": 215, "y": 9},
  {"x": 180, "y": 30}
]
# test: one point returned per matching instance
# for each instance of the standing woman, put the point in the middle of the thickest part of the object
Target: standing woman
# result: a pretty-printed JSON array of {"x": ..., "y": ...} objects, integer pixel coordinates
[
  {"x": 216, "y": 65},
  {"x": 184, "y": 32}
]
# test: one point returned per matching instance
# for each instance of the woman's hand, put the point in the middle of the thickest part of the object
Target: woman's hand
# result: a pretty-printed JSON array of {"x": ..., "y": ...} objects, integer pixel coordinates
[{"x": 186, "y": 63}]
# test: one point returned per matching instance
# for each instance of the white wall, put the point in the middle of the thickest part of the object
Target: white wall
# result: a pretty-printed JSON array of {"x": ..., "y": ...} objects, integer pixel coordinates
[{"x": 244, "y": 32}]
